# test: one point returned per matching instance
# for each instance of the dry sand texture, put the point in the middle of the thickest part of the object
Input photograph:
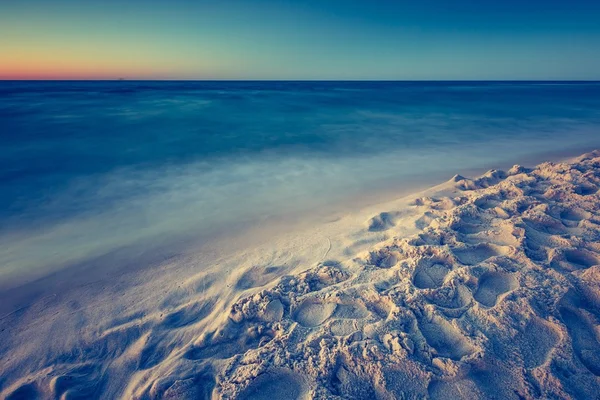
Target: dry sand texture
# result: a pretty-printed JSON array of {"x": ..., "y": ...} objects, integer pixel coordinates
[{"x": 477, "y": 289}]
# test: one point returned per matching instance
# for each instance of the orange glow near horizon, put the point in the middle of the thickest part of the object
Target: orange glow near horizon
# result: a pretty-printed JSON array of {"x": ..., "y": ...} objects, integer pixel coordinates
[
  {"x": 93, "y": 58},
  {"x": 52, "y": 71},
  {"x": 29, "y": 66}
]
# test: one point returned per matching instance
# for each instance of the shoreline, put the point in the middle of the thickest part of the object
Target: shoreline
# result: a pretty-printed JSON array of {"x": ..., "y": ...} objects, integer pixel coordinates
[{"x": 301, "y": 221}]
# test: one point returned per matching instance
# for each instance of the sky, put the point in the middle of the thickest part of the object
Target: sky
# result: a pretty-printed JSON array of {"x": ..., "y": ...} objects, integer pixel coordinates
[{"x": 309, "y": 39}]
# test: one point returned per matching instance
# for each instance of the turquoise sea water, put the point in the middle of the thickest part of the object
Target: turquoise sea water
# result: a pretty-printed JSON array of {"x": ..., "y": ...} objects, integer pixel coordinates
[{"x": 87, "y": 168}]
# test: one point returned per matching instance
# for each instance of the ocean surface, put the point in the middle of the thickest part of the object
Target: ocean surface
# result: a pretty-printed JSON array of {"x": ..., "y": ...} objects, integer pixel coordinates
[{"x": 90, "y": 168}]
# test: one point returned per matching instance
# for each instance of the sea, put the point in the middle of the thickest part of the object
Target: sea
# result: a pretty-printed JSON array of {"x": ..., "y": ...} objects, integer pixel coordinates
[{"x": 88, "y": 168}]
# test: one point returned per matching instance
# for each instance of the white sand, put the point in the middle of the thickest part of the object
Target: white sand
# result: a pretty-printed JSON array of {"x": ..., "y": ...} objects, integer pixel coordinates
[{"x": 474, "y": 289}]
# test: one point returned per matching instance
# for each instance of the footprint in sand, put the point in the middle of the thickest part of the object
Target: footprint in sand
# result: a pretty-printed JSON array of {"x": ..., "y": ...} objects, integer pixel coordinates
[
  {"x": 586, "y": 190},
  {"x": 535, "y": 342},
  {"x": 350, "y": 311},
  {"x": 383, "y": 259},
  {"x": 273, "y": 311},
  {"x": 581, "y": 259},
  {"x": 475, "y": 254},
  {"x": 487, "y": 203},
  {"x": 430, "y": 274},
  {"x": 445, "y": 338},
  {"x": 499, "y": 235},
  {"x": 381, "y": 222},
  {"x": 342, "y": 327},
  {"x": 313, "y": 313},
  {"x": 574, "y": 215},
  {"x": 276, "y": 384},
  {"x": 427, "y": 239},
  {"x": 451, "y": 297},
  {"x": 545, "y": 224},
  {"x": 492, "y": 285},
  {"x": 468, "y": 229},
  {"x": 584, "y": 336}
]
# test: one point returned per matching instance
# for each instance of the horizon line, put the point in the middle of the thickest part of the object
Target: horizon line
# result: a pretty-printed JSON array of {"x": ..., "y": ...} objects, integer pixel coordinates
[{"x": 292, "y": 80}]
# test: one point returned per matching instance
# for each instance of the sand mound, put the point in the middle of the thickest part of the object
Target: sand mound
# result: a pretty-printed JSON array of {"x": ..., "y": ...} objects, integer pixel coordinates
[{"x": 494, "y": 294}]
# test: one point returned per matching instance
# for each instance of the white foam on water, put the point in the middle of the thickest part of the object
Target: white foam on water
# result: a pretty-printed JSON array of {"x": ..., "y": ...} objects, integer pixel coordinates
[{"x": 147, "y": 208}]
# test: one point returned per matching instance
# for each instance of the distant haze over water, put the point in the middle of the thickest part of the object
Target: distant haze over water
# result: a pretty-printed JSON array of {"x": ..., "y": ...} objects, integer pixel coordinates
[{"x": 91, "y": 167}]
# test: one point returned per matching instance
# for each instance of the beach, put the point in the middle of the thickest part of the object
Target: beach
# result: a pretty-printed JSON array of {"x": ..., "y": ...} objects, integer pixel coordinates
[
  {"x": 299, "y": 200},
  {"x": 480, "y": 287}
]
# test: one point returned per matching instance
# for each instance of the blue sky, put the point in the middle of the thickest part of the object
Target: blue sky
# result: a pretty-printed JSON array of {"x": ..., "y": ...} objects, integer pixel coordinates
[{"x": 262, "y": 39}]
